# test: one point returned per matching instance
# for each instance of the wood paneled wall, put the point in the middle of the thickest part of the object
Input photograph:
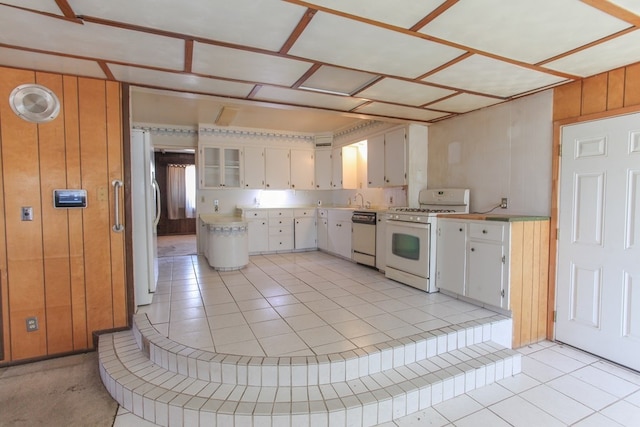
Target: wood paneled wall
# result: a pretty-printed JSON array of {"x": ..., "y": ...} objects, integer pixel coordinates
[
  {"x": 67, "y": 266},
  {"x": 529, "y": 281},
  {"x": 604, "y": 95}
]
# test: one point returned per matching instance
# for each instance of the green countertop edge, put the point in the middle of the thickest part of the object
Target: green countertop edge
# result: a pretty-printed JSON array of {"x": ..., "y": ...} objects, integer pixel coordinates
[{"x": 516, "y": 218}]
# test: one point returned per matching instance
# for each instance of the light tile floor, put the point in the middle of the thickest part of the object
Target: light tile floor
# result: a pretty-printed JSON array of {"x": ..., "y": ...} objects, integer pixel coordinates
[
  {"x": 270, "y": 307},
  {"x": 293, "y": 304}
]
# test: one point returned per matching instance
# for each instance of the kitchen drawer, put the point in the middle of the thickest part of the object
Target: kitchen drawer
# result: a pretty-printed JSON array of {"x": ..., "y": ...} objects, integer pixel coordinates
[
  {"x": 280, "y": 213},
  {"x": 281, "y": 243},
  {"x": 303, "y": 213},
  {"x": 280, "y": 222},
  {"x": 278, "y": 231},
  {"x": 258, "y": 213},
  {"x": 486, "y": 231}
]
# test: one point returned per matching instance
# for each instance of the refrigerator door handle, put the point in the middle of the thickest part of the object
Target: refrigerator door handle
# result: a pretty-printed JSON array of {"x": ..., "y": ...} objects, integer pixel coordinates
[
  {"x": 156, "y": 220},
  {"x": 117, "y": 226}
]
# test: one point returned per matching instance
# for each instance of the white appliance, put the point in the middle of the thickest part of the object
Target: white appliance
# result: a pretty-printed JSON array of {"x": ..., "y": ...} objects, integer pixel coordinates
[
  {"x": 363, "y": 237},
  {"x": 411, "y": 236},
  {"x": 145, "y": 205}
]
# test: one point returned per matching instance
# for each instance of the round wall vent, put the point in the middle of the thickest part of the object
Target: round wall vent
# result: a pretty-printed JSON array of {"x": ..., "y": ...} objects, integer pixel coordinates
[{"x": 34, "y": 103}]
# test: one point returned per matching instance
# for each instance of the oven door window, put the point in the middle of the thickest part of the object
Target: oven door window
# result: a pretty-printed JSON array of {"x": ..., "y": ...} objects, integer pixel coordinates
[{"x": 405, "y": 246}]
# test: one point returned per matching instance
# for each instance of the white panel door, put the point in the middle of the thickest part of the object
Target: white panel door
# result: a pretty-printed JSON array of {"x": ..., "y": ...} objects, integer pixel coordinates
[{"x": 598, "y": 278}]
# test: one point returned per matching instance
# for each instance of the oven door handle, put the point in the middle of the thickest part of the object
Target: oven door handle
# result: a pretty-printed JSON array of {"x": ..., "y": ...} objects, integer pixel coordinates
[{"x": 405, "y": 224}]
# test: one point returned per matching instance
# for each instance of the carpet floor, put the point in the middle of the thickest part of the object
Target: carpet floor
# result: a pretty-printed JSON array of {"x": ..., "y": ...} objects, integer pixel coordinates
[{"x": 66, "y": 391}]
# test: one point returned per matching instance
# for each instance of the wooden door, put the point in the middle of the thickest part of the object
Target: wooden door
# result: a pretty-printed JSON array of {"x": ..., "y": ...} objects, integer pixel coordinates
[{"x": 66, "y": 267}]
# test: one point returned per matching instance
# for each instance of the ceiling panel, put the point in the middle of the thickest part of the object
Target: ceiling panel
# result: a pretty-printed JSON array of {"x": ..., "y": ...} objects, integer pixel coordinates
[
  {"x": 258, "y": 23},
  {"x": 491, "y": 77},
  {"x": 338, "y": 80},
  {"x": 404, "y": 92},
  {"x": 49, "y": 6},
  {"x": 177, "y": 81},
  {"x": 390, "y": 110},
  {"x": 464, "y": 102},
  {"x": 612, "y": 54},
  {"x": 302, "y": 97},
  {"x": 336, "y": 40},
  {"x": 401, "y": 13},
  {"x": 529, "y": 31},
  {"x": 89, "y": 40},
  {"x": 51, "y": 63},
  {"x": 220, "y": 61}
]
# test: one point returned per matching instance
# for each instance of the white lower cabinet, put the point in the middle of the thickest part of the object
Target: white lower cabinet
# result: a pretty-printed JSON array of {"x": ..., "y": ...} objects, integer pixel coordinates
[
  {"x": 487, "y": 266},
  {"x": 280, "y": 229},
  {"x": 472, "y": 260},
  {"x": 304, "y": 229},
  {"x": 381, "y": 242},
  {"x": 258, "y": 229},
  {"x": 339, "y": 232},
  {"x": 323, "y": 230},
  {"x": 451, "y": 259}
]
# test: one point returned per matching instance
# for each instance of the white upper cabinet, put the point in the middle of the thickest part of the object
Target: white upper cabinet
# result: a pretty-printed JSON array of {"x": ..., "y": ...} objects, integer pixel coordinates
[
  {"x": 395, "y": 158},
  {"x": 386, "y": 159},
  {"x": 344, "y": 167},
  {"x": 254, "y": 167},
  {"x": 323, "y": 173},
  {"x": 277, "y": 176},
  {"x": 302, "y": 169},
  {"x": 220, "y": 167},
  {"x": 375, "y": 161}
]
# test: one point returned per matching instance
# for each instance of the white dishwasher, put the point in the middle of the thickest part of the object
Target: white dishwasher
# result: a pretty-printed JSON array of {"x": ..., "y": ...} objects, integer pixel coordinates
[{"x": 363, "y": 237}]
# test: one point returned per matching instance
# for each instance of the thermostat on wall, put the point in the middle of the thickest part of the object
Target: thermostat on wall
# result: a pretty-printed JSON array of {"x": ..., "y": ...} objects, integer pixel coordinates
[{"x": 69, "y": 198}]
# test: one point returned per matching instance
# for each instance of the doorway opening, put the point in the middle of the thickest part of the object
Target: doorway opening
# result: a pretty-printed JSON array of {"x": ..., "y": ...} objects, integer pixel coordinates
[{"x": 176, "y": 176}]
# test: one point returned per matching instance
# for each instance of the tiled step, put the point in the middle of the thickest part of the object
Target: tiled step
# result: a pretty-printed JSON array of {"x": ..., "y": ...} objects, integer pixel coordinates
[
  {"x": 168, "y": 397},
  {"x": 313, "y": 370}
]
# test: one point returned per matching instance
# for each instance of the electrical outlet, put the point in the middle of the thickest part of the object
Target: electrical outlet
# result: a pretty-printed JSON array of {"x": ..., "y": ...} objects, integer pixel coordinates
[
  {"x": 216, "y": 205},
  {"x": 32, "y": 324},
  {"x": 503, "y": 203}
]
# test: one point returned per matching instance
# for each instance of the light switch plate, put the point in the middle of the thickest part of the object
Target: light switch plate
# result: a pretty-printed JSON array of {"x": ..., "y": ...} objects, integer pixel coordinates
[{"x": 27, "y": 213}]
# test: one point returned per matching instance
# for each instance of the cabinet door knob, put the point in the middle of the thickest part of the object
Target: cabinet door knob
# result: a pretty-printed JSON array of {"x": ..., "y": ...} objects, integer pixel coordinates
[
  {"x": 473, "y": 249},
  {"x": 460, "y": 230},
  {"x": 484, "y": 231}
]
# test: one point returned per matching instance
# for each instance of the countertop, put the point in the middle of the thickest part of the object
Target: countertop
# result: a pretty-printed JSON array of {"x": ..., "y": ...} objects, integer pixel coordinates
[
  {"x": 350, "y": 208},
  {"x": 496, "y": 217}
]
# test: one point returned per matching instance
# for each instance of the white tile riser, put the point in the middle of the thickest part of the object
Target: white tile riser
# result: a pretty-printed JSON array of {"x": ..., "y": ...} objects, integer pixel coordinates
[{"x": 389, "y": 358}]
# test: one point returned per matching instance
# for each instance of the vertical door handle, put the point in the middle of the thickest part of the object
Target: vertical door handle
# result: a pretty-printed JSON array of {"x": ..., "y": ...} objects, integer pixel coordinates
[{"x": 117, "y": 226}]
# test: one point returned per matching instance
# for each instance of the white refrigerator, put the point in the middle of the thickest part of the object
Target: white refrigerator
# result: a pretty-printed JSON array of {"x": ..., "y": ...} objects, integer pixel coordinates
[{"x": 145, "y": 203}]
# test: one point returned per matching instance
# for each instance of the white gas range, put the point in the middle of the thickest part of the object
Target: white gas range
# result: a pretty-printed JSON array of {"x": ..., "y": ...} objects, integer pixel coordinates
[{"x": 412, "y": 233}]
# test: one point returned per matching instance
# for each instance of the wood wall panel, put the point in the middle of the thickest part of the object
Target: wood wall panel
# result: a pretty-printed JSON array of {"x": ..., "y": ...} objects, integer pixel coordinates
[
  {"x": 529, "y": 281},
  {"x": 115, "y": 159},
  {"x": 55, "y": 236},
  {"x": 615, "y": 89},
  {"x": 67, "y": 266},
  {"x": 594, "y": 94},
  {"x": 24, "y": 238},
  {"x": 632, "y": 86},
  {"x": 93, "y": 156},
  {"x": 74, "y": 216}
]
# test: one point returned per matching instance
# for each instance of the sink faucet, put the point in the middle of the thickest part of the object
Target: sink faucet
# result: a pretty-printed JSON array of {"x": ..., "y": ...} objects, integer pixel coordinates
[{"x": 361, "y": 199}]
